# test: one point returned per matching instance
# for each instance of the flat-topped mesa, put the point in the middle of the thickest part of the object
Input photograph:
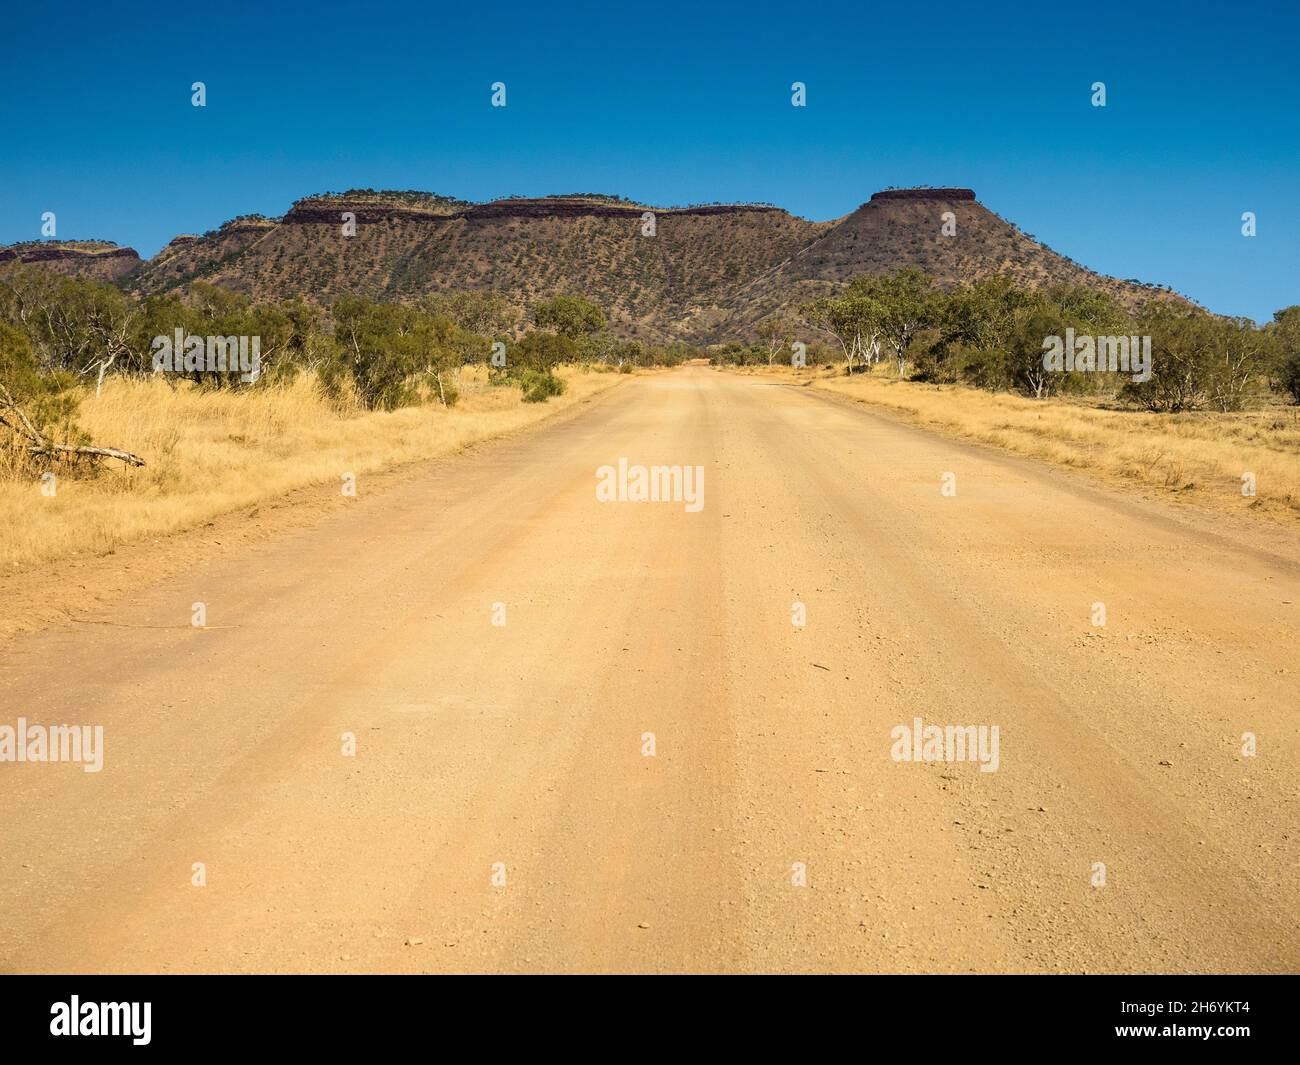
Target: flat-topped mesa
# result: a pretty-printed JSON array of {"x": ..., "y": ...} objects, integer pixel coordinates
[
  {"x": 575, "y": 207},
  {"x": 94, "y": 260},
  {"x": 948, "y": 194},
  {"x": 38, "y": 251},
  {"x": 378, "y": 208},
  {"x": 248, "y": 223},
  {"x": 370, "y": 206},
  {"x": 332, "y": 211},
  {"x": 551, "y": 207},
  {"x": 715, "y": 270}
]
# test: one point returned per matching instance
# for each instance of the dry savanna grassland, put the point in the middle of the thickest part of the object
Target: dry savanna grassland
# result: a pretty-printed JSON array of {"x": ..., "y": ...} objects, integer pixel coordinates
[
  {"x": 364, "y": 385},
  {"x": 211, "y": 451},
  {"x": 1199, "y": 457}
]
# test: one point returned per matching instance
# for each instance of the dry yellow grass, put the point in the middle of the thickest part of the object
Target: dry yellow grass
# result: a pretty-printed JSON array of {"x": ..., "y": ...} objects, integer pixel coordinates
[
  {"x": 1201, "y": 456},
  {"x": 212, "y": 452}
]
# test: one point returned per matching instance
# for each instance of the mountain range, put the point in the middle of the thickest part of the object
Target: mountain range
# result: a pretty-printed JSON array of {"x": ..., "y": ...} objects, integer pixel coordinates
[{"x": 702, "y": 273}]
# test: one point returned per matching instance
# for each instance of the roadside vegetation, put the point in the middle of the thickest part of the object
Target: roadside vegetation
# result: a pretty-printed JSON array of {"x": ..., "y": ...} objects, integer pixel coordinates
[
  {"x": 1215, "y": 419},
  {"x": 991, "y": 336},
  {"x": 214, "y": 451},
  {"x": 64, "y": 339},
  {"x": 96, "y": 448},
  {"x": 1203, "y": 457}
]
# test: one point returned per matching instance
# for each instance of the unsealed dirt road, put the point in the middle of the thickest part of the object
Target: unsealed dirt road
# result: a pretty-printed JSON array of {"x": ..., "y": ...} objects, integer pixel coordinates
[{"x": 522, "y": 744}]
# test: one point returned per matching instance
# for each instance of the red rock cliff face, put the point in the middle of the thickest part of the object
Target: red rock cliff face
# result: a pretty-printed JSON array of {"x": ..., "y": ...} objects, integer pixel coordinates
[
  {"x": 93, "y": 260},
  {"x": 42, "y": 255},
  {"x": 330, "y": 211},
  {"x": 924, "y": 194},
  {"x": 565, "y": 208}
]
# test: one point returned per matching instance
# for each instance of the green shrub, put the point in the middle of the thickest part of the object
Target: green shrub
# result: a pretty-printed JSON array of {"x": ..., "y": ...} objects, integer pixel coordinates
[
  {"x": 1291, "y": 377},
  {"x": 48, "y": 401},
  {"x": 538, "y": 387}
]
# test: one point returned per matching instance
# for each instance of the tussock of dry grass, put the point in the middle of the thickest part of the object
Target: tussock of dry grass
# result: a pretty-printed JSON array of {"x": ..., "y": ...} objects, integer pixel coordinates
[
  {"x": 212, "y": 452},
  {"x": 1202, "y": 454}
]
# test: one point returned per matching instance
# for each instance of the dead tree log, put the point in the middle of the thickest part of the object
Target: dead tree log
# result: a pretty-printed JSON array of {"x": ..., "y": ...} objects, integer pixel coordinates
[{"x": 13, "y": 418}]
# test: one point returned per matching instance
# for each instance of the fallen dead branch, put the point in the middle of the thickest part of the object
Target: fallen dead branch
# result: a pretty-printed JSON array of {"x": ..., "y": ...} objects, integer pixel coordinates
[{"x": 13, "y": 418}]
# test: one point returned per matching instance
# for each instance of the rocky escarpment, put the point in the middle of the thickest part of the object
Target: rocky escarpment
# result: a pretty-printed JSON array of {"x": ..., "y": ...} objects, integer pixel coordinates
[
  {"x": 99, "y": 260},
  {"x": 189, "y": 257},
  {"x": 369, "y": 206},
  {"x": 946, "y": 232},
  {"x": 403, "y": 244},
  {"x": 564, "y": 207},
  {"x": 328, "y": 210},
  {"x": 953, "y": 195},
  {"x": 700, "y": 273},
  {"x": 249, "y": 223}
]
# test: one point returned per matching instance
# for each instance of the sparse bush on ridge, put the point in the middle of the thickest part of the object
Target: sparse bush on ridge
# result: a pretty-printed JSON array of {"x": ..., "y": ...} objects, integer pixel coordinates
[
  {"x": 991, "y": 335},
  {"x": 63, "y": 336}
]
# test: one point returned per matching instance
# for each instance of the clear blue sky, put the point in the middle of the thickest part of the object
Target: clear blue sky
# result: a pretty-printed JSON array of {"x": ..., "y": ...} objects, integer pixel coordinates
[{"x": 672, "y": 104}]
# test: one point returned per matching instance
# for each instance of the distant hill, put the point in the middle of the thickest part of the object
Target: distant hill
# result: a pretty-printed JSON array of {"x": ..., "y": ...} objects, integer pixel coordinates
[
  {"x": 903, "y": 227},
  {"x": 99, "y": 260},
  {"x": 708, "y": 273}
]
